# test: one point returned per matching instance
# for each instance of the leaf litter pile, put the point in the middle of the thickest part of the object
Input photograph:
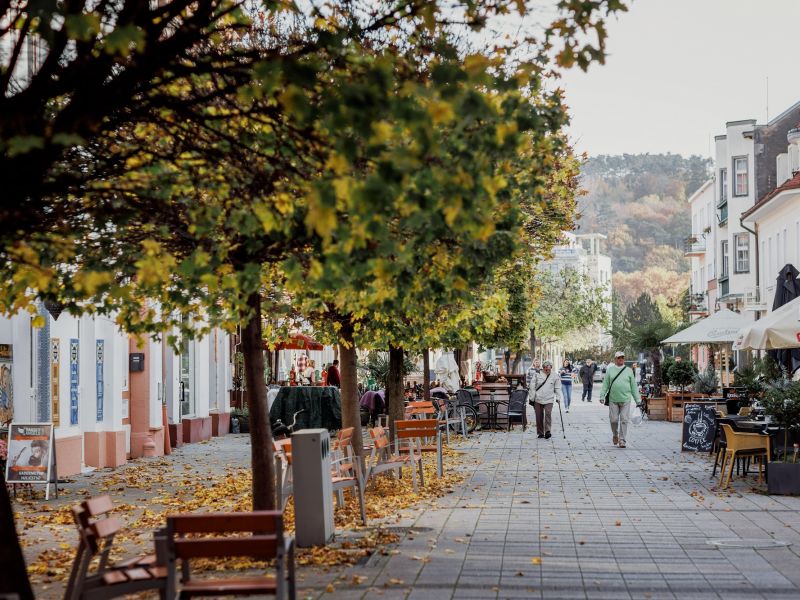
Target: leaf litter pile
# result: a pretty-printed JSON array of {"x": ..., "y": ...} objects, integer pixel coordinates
[{"x": 146, "y": 491}]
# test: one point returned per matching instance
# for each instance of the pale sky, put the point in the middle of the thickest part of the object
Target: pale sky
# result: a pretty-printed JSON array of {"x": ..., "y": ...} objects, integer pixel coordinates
[{"x": 677, "y": 70}]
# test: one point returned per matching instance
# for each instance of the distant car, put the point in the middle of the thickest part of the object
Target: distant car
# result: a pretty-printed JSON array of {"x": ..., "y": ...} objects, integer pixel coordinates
[{"x": 599, "y": 373}]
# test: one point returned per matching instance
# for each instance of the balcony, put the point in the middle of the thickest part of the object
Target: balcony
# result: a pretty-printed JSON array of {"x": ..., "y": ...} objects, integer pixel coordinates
[
  {"x": 698, "y": 304},
  {"x": 754, "y": 299},
  {"x": 694, "y": 245}
]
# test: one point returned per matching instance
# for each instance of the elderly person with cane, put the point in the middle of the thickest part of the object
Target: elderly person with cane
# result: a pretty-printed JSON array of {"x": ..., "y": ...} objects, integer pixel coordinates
[{"x": 542, "y": 392}]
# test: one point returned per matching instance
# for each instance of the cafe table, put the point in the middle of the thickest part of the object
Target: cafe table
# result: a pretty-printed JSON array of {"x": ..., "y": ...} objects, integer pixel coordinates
[{"x": 321, "y": 406}]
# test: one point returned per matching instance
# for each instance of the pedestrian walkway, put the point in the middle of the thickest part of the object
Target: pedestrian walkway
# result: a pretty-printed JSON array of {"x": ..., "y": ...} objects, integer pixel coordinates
[{"x": 580, "y": 518}]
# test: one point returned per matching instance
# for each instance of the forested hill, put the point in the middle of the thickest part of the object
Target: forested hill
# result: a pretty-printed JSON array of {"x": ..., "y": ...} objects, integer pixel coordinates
[{"x": 639, "y": 202}]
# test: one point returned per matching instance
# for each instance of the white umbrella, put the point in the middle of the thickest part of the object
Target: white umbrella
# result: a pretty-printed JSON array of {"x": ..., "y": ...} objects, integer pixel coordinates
[
  {"x": 721, "y": 327},
  {"x": 779, "y": 329}
]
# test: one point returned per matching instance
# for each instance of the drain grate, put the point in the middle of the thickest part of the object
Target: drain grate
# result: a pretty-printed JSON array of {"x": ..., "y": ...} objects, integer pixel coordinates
[
  {"x": 748, "y": 543},
  {"x": 404, "y": 530}
]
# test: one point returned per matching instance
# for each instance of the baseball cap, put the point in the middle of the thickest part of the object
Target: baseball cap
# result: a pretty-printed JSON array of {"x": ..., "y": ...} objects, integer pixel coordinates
[{"x": 619, "y": 353}]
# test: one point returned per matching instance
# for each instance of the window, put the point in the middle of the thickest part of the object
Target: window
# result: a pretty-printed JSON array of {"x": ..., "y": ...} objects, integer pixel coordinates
[
  {"x": 740, "y": 175},
  {"x": 724, "y": 254},
  {"x": 723, "y": 185},
  {"x": 742, "y": 241}
]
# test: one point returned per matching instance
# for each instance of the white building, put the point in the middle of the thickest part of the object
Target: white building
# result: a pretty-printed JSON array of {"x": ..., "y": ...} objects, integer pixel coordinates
[
  {"x": 700, "y": 247},
  {"x": 775, "y": 219},
  {"x": 104, "y": 392},
  {"x": 734, "y": 264}
]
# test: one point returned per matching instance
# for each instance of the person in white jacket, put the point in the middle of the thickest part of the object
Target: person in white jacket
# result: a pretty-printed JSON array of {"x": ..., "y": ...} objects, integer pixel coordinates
[{"x": 542, "y": 392}]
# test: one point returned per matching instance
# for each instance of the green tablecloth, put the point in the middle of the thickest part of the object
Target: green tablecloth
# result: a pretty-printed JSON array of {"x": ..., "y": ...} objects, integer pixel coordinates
[{"x": 322, "y": 405}]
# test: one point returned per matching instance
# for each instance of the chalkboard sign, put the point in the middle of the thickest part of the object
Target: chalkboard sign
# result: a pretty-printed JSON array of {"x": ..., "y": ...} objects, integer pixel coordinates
[{"x": 699, "y": 424}]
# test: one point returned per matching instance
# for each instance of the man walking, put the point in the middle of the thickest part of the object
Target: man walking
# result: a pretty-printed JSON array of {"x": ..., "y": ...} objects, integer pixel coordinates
[
  {"x": 620, "y": 386},
  {"x": 587, "y": 379},
  {"x": 542, "y": 392}
]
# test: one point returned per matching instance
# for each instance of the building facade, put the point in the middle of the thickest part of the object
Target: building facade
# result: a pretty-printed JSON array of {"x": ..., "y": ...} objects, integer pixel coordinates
[
  {"x": 746, "y": 218},
  {"x": 107, "y": 393}
]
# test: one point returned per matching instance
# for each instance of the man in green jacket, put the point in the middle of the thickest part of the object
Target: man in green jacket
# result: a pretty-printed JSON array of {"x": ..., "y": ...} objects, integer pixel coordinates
[{"x": 621, "y": 382}]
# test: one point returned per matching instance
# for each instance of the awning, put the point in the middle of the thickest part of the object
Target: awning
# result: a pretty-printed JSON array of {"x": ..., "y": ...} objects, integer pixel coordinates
[
  {"x": 720, "y": 328},
  {"x": 297, "y": 341},
  {"x": 779, "y": 329}
]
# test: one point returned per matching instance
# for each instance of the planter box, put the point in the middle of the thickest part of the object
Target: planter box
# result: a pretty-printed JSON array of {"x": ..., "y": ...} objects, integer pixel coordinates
[
  {"x": 783, "y": 478},
  {"x": 657, "y": 408}
]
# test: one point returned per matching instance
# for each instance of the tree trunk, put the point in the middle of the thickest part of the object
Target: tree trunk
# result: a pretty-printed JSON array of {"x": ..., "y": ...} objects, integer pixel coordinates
[
  {"x": 517, "y": 360},
  {"x": 426, "y": 368},
  {"x": 14, "y": 584},
  {"x": 260, "y": 430},
  {"x": 507, "y": 360},
  {"x": 395, "y": 406},
  {"x": 351, "y": 411},
  {"x": 655, "y": 356},
  {"x": 533, "y": 344}
]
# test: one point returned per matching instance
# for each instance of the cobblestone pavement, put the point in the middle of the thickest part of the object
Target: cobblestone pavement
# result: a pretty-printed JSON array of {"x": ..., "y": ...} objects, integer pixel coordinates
[
  {"x": 579, "y": 518},
  {"x": 572, "y": 518}
]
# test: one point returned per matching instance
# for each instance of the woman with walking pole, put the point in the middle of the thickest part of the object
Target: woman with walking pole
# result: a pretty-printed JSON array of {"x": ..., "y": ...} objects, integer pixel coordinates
[{"x": 542, "y": 392}]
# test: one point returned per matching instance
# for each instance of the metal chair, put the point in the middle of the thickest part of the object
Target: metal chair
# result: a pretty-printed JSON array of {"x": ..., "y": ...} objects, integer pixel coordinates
[{"x": 516, "y": 408}]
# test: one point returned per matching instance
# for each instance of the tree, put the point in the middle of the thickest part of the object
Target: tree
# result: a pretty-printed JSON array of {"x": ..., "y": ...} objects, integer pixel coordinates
[
  {"x": 642, "y": 311},
  {"x": 647, "y": 338},
  {"x": 568, "y": 301}
]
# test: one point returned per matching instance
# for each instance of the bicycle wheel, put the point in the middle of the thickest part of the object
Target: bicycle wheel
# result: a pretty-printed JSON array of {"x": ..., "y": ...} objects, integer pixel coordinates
[{"x": 470, "y": 418}]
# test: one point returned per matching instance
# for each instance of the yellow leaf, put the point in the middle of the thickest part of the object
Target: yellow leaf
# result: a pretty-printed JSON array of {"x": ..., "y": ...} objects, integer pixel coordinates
[
  {"x": 440, "y": 111},
  {"x": 536, "y": 560},
  {"x": 475, "y": 64}
]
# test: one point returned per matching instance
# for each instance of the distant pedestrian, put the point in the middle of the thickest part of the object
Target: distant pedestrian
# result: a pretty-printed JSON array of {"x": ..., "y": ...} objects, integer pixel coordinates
[
  {"x": 565, "y": 373},
  {"x": 542, "y": 392},
  {"x": 587, "y": 379},
  {"x": 536, "y": 367},
  {"x": 334, "y": 378},
  {"x": 620, "y": 385}
]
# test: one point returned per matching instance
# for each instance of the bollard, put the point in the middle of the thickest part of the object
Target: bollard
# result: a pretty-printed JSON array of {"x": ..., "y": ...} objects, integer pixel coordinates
[{"x": 313, "y": 488}]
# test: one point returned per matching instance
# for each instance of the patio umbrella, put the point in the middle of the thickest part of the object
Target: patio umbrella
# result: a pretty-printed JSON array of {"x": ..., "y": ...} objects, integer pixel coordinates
[
  {"x": 787, "y": 289},
  {"x": 720, "y": 328},
  {"x": 778, "y": 330}
]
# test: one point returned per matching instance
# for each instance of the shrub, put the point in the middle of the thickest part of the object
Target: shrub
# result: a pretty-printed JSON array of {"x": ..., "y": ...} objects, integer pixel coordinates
[
  {"x": 682, "y": 373},
  {"x": 782, "y": 403},
  {"x": 707, "y": 381}
]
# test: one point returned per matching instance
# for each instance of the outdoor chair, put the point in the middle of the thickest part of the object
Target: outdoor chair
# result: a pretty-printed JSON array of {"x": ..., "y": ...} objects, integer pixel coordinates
[
  {"x": 517, "y": 408},
  {"x": 346, "y": 473},
  {"x": 260, "y": 536},
  {"x": 385, "y": 457},
  {"x": 451, "y": 416},
  {"x": 421, "y": 409},
  {"x": 465, "y": 398},
  {"x": 96, "y": 530},
  {"x": 739, "y": 444},
  {"x": 419, "y": 436}
]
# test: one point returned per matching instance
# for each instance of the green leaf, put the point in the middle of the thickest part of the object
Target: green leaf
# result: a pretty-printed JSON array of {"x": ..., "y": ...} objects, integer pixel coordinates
[
  {"x": 22, "y": 144},
  {"x": 124, "y": 40},
  {"x": 82, "y": 27}
]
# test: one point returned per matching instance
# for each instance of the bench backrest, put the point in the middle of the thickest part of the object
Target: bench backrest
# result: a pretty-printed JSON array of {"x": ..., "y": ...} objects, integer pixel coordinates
[
  {"x": 264, "y": 542},
  {"x": 421, "y": 407},
  {"x": 380, "y": 437},
  {"x": 416, "y": 428}
]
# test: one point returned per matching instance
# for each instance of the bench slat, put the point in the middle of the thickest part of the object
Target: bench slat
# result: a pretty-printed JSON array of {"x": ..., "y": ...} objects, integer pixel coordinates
[
  {"x": 256, "y": 546},
  {"x": 263, "y": 521},
  {"x": 98, "y": 506},
  {"x": 106, "y": 527}
]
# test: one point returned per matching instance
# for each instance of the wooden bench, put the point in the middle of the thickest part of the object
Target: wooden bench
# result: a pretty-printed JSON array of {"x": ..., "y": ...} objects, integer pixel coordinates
[
  {"x": 420, "y": 435},
  {"x": 264, "y": 540},
  {"x": 384, "y": 457},
  {"x": 96, "y": 530},
  {"x": 346, "y": 473}
]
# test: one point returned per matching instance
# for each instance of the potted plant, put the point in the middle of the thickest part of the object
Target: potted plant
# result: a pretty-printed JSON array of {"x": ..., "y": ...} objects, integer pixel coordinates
[
  {"x": 682, "y": 373},
  {"x": 706, "y": 383},
  {"x": 665, "y": 366},
  {"x": 240, "y": 420},
  {"x": 782, "y": 404}
]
